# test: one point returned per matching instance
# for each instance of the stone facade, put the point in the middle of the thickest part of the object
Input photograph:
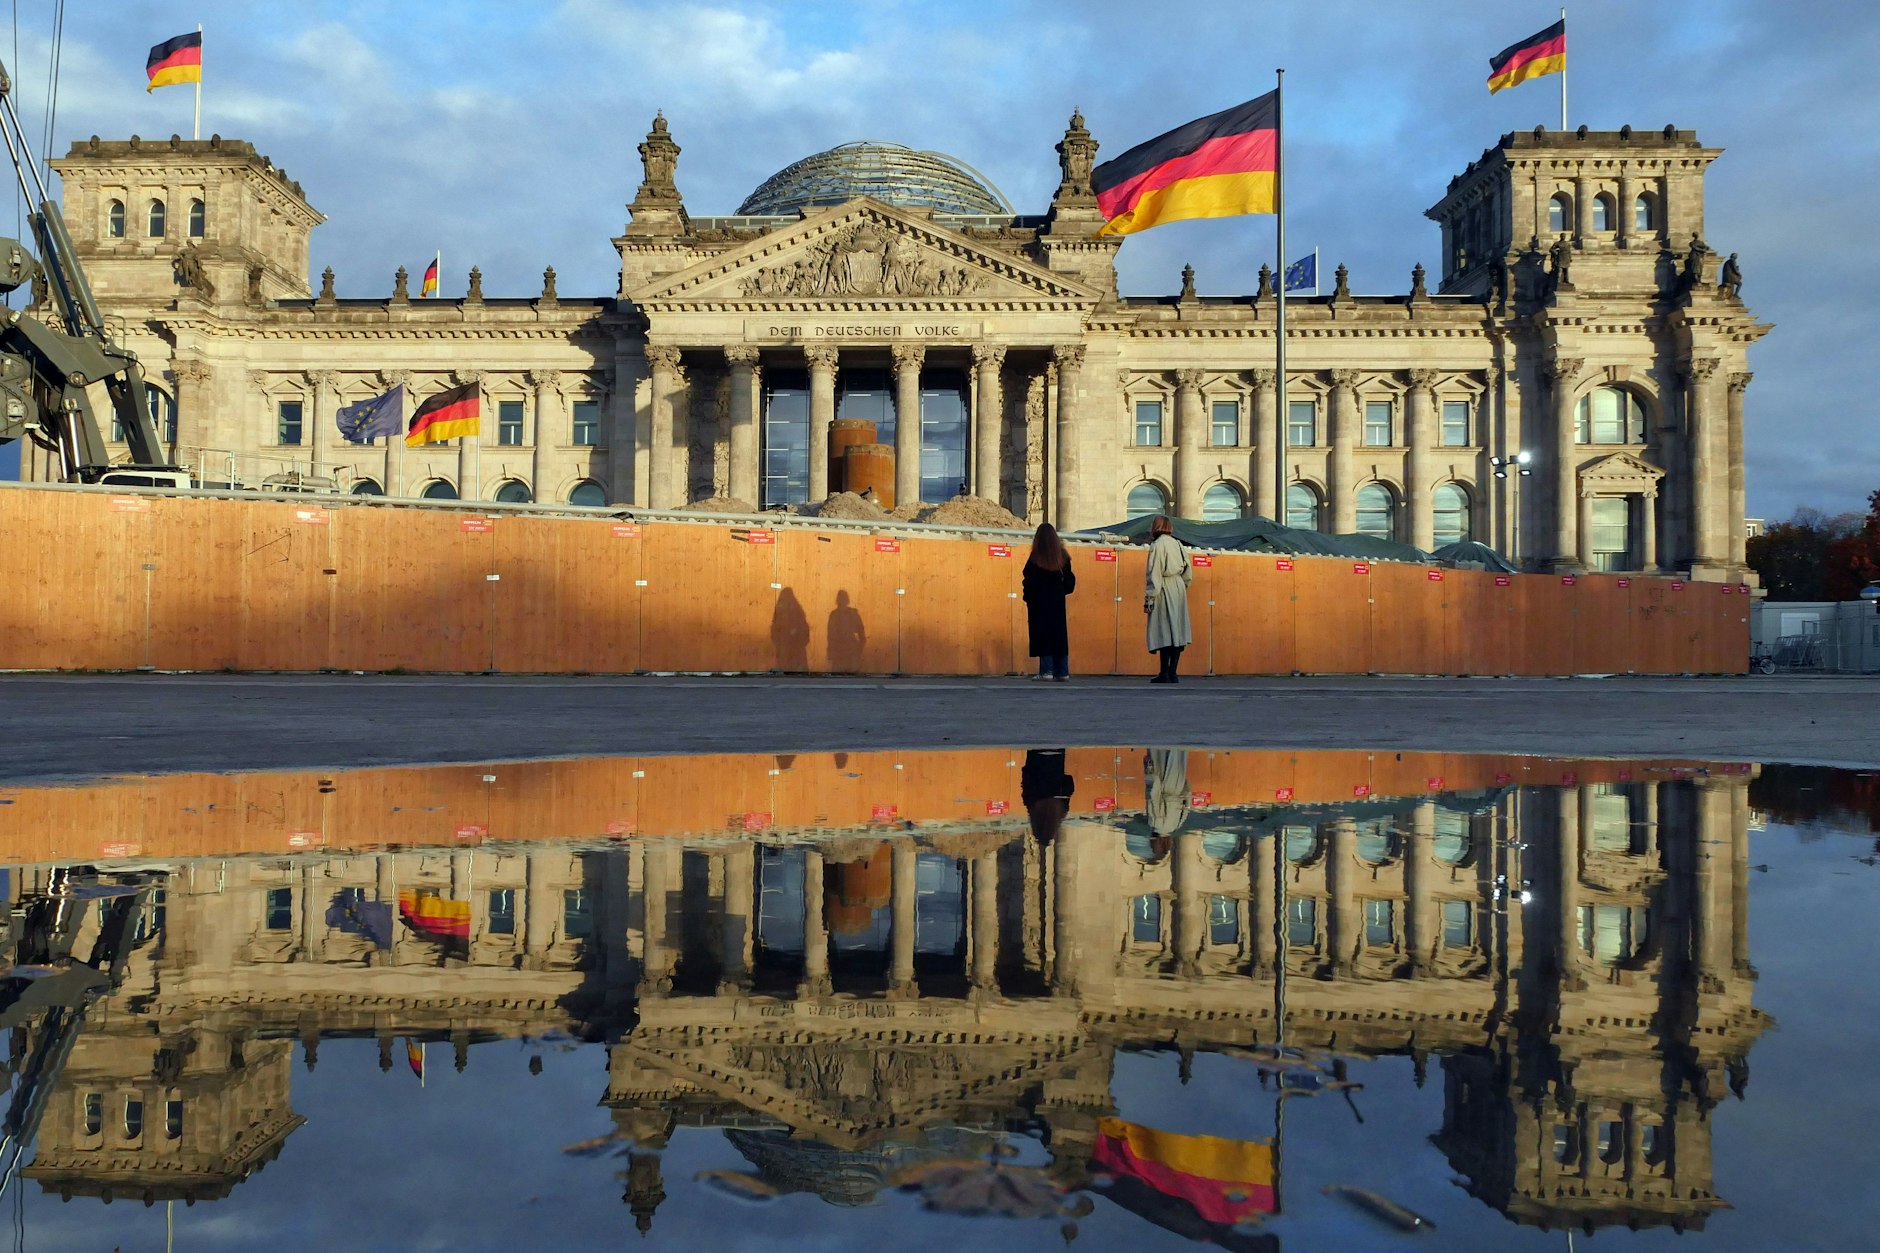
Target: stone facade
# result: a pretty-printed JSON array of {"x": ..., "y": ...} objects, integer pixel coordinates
[{"x": 1579, "y": 319}]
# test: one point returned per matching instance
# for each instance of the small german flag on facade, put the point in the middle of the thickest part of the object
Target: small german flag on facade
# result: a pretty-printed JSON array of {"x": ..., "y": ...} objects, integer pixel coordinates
[
  {"x": 1533, "y": 57},
  {"x": 1214, "y": 167},
  {"x": 177, "y": 60},
  {"x": 446, "y": 415},
  {"x": 428, "y": 285}
]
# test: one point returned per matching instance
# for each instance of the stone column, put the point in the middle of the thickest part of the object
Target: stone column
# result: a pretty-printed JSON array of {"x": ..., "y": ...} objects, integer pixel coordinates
[
  {"x": 904, "y": 898},
  {"x": 907, "y": 363},
  {"x": 1628, "y": 192},
  {"x": 320, "y": 382},
  {"x": 1584, "y": 553},
  {"x": 1739, "y": 539},
  {"x": 623, "y": 439},
  {"x": 815, "y": 934},
  {"x": 541, "y": 470},
  {"x": 1707, "y": 546},
  {"x": 666, "y": 472},
  {"x": 469, "y": 469},
  {"x": 1265, "y": 441},
  {"x": 1420, "y": 436},
  {"x": 1648, "y": 526},
  {"x": 1344, "y": 930},
  {"x": 985, "y": 889},
  {"x": 1069, "y": 359},
  {"x": 385, "y": 890},
  {"x": 988, "y": 421},
  {"x": 1190, "y": 932},
  {"x": 1422, "y": 924},
  {"x": 662, "y": 878},
  {"x": 394, "y": 479},
  {"x": 1711, "y": 841},
  {"x": 312, "y": 915},
  {"x": 1561, "y": 376},
  {"x": 538, "y": 911},
  {"x": 1341, "y": 483},
  {"x": 1191, "y": 443},
  {"x": 1582, "y": 211},
  {"x": 1567, "y": 881},
  {"x": 822, "y": 414},
  {"x": 1261, "y": 906},
  {"x": 743, "y": 477},
  {"x": 739, "y": 917}
]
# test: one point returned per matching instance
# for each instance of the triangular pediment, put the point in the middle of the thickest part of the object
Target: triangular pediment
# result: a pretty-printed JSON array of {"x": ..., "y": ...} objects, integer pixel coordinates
[
  {"x": 1619, "y": 468},
  {"x": 870, "y": 252}
]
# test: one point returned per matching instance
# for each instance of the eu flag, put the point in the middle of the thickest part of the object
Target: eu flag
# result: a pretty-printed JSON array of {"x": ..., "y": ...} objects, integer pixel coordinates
[
  {"x": 1303, "y": 273},
  {"x": 366, "y": 420}
]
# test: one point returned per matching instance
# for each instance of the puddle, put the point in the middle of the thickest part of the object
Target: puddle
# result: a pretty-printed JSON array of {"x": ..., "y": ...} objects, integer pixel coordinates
[{"x": 1126, "y": 997}]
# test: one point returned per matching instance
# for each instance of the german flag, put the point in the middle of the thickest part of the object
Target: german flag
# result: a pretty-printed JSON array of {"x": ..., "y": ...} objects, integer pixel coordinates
[
  {"x": 1533, "y": 57},
  {"x": 446, "y": 416},
  {"x": 1215, "y": 167},
  {"x": 428, "y": 285},
  {"x": 1223, "y": 1182},
  {"x": 177, "y": 60}
]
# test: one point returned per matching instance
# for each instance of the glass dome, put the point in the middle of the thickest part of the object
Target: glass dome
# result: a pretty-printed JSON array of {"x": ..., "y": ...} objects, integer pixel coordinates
[{"x": 888, "y": 172}]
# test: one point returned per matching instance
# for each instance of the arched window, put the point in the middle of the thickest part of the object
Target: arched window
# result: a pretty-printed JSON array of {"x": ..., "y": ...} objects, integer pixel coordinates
[
  {"x": 162, "y": 408},
  {"x": 1302, "y": 845},
  {"x": 156, "y": 219},
  {"x": 1377, "y": 841},
  {"x": 1145, "y": 846},
  {"x": 1609, "y": 415},
  {"x": 513, "y": 493},
  {"x": 133, "y": 1118},
  {"x": 1603, "y": 213},
  {"x": 1560, "y": 213},
  {"x": 1225, "y": 847},
  {"x": 94, "y": 1113},
  {"x": 1302, "y": 506},
  {"x": 173, "y": 1120},
  {"x": 367, "y": 487},
  {"x": 197, "y": 219},
  {"x": 1645, "y": 212},
  {"x": 1377, "y": 511},
  {"x": 438, "y": 489},
  {"x": 587, "y": 492},
  {"x": 1222, "y": 503},
  {"x": 114, "y": 219},
  {"x": 1145, "y": 499},
  {"x": 1450, "y": 504},
  {"x": 1451, "y": 843}
]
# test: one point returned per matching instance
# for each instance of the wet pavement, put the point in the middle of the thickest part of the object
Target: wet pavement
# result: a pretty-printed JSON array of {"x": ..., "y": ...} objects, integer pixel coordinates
[{"x": 1131, "y": 997}]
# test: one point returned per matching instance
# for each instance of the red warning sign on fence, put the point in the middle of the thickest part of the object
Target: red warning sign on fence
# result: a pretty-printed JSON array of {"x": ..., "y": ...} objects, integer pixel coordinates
[
  {"x": 129, "y": 504},
  {"x": 1742, "y": 589},
  {"x": 626, "y": 530},
  {"x": 1728, "y": 589},
  {"x": 312, "y": 517},
  {"x": 1283, "y": 795},
  {"x": 622, "y": 826},
  {"x": 1200, "y": 800},
  {"x": 998, "y": 550},
  {"x": 475, "y": 526},
  {"x": 884, "y": 545},
  {"x": 1503, "y": 580},
  {"x": 756, "y": 821},
  {"x": 1105, "y": 804},
  {"x": 1625, "y": 582},
  {"x": 1435, "y": 576},
  {"x": 755, "y": 536},
  {"x": 1361, "y": 567},
  {"x": 303, "y": 839},
  {"x": 1202, "y": 559},
  {"x": 1361, "y": 791},
  {"x": 884, "y": 813},
  {"x": 1676, "y": 586},
  {"x": 1106, "y": 554},
  {"x": 470, "y": 832},
  {"x": 1283, "y": 563},
  {"x": 1434, "y": 783},
  {"x": 994, "y": 808},
  {"x": 1569, "y": 778},
  {"x": 1567, "y": 580}
]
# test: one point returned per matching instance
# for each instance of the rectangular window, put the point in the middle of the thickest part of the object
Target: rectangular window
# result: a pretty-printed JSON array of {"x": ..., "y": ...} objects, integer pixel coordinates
[
  {"x": 1302, "y": 922},
  {"x": 502, "y": 911},
  {"x": 577, "y": 916},
  {"x": 942, "y": 435},
  {"x": 1455, "y": 423},
  {"x": 1302, "y": 423},
  {"x": 1223, "y": 920},
  {"x": 1377, "y": 423},
  {"x": 1148, "y": 424},
  {"x": 786, "y": 451},
  {"x": 1226, "y": 423},
  {"x": 287, "y": 422},
  {"x": 1145, "y": 919},
  {"x": 280, "y": 909},
  {"x": 1611, "y": 814},
  {"x": 509, "y": 422},
  {"x": 1458, "y": 920},
  {"x": 1380, "y": 923},
  {"x": 587, "y": 423},
  {"x": 1612, "y": 532}
]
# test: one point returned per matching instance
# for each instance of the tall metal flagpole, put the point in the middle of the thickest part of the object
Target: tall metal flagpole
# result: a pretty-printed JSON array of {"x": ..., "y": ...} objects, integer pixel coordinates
[
  {"x": 1282, "y": 424},
  {"x": 196, "y": 127},
  {"x": 1563, "y": 68}
]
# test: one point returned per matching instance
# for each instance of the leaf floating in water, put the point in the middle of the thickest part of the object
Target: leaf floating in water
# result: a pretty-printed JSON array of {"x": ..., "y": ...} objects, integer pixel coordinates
[
  {"x": 1382, "y": 1207},
  {"x": 739, "y": 1186}
]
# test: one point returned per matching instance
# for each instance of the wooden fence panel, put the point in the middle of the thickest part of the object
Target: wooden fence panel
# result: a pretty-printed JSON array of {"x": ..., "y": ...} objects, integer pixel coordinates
[
  {"x": 962, "y": 598},
  {"x": 1132, "y": 629},
  {"x": 1090, "y": 613},
  {"x": 286, "y": 600},
  {"x": 1478, "y": 622},
  {"x": 844, "y": 584},
  {"x": 413, "y": 592},
  {"x": 597, "y": 580},
  {"x": 77, "y": 595},
  {"x": 1652, "y": 622},
  {"x": 711, "y": 601},
  {"x": 1600, "y": 643},
  {"x": 1407, "y": 619},
  {"x": 1332, "y": 624},
  {"x": 1253, "y": 616},
  {"x": 196, "y": 591},
  {"x": 1546, "y": 615}
]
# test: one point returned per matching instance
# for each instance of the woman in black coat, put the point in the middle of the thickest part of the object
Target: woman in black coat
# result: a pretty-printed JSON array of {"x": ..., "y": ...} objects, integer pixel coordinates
[{"x": 1048, "y": 579}]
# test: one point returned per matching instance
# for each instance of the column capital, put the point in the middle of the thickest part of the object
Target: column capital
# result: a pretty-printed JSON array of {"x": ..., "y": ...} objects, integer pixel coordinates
[
  {"x": 260, "y": 378},
  {"x": 1263, "y": 378},
  {"x": 821, "y": 356},
  {"x": 1068, "y": 355},
  {"x": 460, "y": 377},
  {"x": 988, "y": 355},
  {"x": 321, "y": 379},
  {"x": 741, "y": 354},
  {"x": 1491, "y": 375},
  {"x": 1346, "y": 379},
  {"x": 1420, "y": 379},
  {"x": 544, "y": 380},
  {"x": 1700, "y": 369},
  {"x": 1188, "y": 380},
  {"x": 1563, "y": 372},
  {"x": 1739, "y": 381},
  {"x": 394, "y": 378},
  {"x": 663, "y": 357},
  {"x": 909, "y": 356}
]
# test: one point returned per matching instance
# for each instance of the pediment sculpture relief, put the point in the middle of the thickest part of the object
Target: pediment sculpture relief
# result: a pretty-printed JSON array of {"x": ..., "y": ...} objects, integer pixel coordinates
[{"x": 865, "y": 261}]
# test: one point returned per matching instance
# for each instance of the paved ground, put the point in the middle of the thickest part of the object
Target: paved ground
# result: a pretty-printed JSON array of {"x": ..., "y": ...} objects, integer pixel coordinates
[{"x": 64, "y": 727}]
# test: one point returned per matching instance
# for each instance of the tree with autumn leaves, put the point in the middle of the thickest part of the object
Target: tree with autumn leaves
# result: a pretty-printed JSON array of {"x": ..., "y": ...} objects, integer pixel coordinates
[{"x": 1816, "y": 557}]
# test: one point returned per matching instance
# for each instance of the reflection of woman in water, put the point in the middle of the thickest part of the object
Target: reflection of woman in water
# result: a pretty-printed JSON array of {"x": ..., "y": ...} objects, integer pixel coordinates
[
  {"x": 1048, "y": 580},
  {"x": 1046, "y": 788},
  {"x": 1165, "y": 781}
]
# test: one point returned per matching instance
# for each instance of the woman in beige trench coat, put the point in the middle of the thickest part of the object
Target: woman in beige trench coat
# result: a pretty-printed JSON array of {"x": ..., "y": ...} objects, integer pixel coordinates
[{"x": 1165, "y": 598}]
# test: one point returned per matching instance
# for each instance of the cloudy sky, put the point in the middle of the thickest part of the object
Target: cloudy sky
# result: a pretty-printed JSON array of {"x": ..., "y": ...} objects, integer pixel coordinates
[{"x": 505, "y": 134}]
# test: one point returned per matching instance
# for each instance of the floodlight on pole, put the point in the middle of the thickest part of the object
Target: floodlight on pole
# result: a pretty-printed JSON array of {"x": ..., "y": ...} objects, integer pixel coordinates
[{"x": 1517, "y": 467}]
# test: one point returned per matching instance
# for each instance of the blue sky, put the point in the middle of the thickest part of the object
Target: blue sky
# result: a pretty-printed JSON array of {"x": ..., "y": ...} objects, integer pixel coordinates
[{"x": 505, "y": 134}]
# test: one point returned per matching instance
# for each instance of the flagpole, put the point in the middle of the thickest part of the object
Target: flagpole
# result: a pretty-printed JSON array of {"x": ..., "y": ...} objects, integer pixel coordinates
[
  {"x": 1563, "y": 68},
  {"x": 1284, "y": 422},
  {"x": 1315, "y": 271},
  {"x": 196, "y": 127}
]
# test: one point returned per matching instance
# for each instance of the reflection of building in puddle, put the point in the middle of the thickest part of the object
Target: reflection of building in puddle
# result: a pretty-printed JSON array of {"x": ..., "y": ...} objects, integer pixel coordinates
[{"x": 1575, "y": 955}]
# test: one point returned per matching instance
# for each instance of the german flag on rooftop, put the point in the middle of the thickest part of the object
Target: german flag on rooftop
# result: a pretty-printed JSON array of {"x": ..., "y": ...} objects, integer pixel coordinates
[
  {"x": 446, "y": 415},
  {"x": 177, "y": 60},
  {"x": 1533, "y": 57},
  {"x": 1214, "y": 167}
]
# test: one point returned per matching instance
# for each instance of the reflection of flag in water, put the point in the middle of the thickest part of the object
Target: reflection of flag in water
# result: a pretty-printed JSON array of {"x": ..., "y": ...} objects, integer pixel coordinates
[
  {"x": 414, "y": 1057},
  {"x": 1193, "y": 1185},
  {"x": 435, "y": 917},
  {"x": 353, "y": 914}
]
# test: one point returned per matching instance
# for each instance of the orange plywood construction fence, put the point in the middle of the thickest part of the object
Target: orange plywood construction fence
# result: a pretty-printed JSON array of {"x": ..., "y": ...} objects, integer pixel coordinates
[{"x": 104, "y": 581}]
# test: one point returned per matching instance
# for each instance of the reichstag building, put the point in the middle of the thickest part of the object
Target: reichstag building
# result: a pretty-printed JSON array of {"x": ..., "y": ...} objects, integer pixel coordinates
[{"x": 768, "y": 356}]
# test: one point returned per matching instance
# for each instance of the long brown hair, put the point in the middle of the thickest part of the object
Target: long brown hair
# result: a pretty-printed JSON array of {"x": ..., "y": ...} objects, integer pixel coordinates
[{"x": 1047, "y": 550}]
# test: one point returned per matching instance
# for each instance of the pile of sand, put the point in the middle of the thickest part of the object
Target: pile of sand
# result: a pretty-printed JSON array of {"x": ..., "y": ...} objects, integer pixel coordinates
[
  {"x": 974, "y": 511},
  {"x": 846, "y": 505},
  {"x": 721, "y": 504}
]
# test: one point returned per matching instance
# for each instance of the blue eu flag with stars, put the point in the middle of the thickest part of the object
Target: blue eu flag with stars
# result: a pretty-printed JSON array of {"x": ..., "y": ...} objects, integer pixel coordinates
[
  {"x": 366, "y": 420},
  {"x": 1303, "y": 273}
]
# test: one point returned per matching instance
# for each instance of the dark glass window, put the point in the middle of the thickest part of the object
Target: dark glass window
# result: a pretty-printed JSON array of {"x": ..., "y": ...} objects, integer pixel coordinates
[
  {"x": 1145, "y": 500},
  {"x": 502, "y": 911},
  {"x": 1377, "y": 511},
  {"x": 287, "y": 421},
  {"x": 1223, "y": 920},
  {"x": 513, "y": 493},
  {"x": 587, "y": 423},
  {"x": 1302, "y": 507},
  {"x": 786, "y": 438},
  {"x": 114, "y": 220},
  {"x": 577, "y": 914},
  {"x": 196, "y": 219},
  {"x": 1455, "y": 423},
  {"x": 173, "y": 1120},
  {"x": 156, "y": 219},
  {"x": 1148, "y": 424},
  {"x": 162, "y": 408},
  {"x": 942, "y": 434},
  {"x": 1145, "y": 913},
  {"x": 1377, "y": 423},
  {"x": 1302, "y": 423},
  {"x": 1222, "y": 503},
  {"x": 133, "y": 1118},
  {"x": 509, "y": 422},
  {"x": 587, "y": 492},
  {"x": 868, "y": 396},
  {"x": 280, "y": 909},
  {"x": 1224, "y": 423},
  {"x": 1458, "y": 924},
  {"x": 367, "y": 487},
  {"x": 1302, "y": 922},
  {"x": 94, "y": 1113},
  {"x": 439, "y": 489},
  {"x": 1380, "y": 923}
]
